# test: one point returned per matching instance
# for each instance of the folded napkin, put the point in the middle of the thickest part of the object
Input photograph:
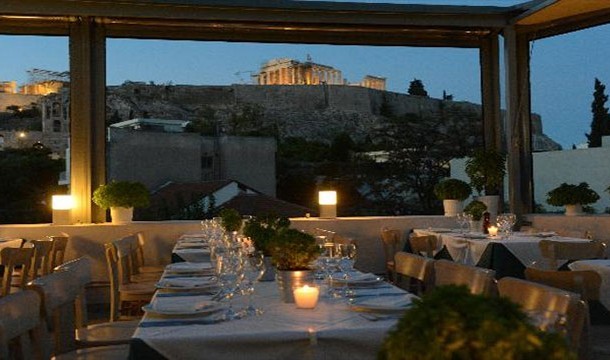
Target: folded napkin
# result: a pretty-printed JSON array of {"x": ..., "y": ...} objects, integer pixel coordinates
[
  {"x": 168, "y": 305},
  {"x": 190, "y": 282},
  {"x": 387, "y": 301},
  {"x": 192, "y": 250},
  {"x": 191, "y": 266}
]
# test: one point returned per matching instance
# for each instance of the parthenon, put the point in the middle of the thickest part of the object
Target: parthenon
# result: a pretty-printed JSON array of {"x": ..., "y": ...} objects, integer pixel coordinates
[{"x": 285, "y": 71}]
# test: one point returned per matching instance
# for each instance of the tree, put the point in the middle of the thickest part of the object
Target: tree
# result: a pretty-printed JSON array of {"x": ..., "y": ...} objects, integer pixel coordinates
[
  {"x": 27, "y": 181},
  {"x": 416, "y": 87},
  {"x": 600, "y": 125}
]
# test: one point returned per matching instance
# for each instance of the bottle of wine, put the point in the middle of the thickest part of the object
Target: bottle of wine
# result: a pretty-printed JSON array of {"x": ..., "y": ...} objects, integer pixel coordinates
[{"x": 486, "y": 222}]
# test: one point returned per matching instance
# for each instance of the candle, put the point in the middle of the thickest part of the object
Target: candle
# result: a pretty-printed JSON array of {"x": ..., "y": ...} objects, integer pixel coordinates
[
  {"x": 306, "y": 297},
  {"x": 493, "y": 231}
]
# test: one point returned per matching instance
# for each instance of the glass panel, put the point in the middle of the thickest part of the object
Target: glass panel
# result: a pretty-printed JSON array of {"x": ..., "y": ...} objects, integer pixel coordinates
[{"x": 34, "y": 126}]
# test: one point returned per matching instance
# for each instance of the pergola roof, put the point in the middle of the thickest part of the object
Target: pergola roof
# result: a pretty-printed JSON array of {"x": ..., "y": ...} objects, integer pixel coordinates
[{"x": 89, "y": 22}]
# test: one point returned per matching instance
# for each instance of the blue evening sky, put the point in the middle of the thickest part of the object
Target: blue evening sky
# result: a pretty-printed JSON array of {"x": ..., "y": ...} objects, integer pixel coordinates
[{"x": 563, "y": 68}]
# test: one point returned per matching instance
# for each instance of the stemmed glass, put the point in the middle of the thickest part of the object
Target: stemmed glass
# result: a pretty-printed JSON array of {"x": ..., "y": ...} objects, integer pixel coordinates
[
  {"x": 462, "y": 220},
  {"x": 347, "y": 255},
  {"x": 230, "y": 273},
  {"x": 254, "y": 267}
]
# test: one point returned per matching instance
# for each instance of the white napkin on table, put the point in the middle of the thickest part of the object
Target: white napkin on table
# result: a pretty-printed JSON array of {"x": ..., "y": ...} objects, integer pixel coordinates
[
  {"x": 394, "y": 301},
  {"x": 188, "y": 282}
]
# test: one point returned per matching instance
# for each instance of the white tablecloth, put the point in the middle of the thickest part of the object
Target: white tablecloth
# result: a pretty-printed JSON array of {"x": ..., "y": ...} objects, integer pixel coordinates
[
  {"x": 602, "y": 267},
  {"x": 329, "y": 331},
  {"x": 523, "y": 246}
]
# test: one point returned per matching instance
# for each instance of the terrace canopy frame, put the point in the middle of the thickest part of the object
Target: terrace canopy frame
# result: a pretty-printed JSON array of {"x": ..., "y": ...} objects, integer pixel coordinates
[{"x": 88, "y": 23}]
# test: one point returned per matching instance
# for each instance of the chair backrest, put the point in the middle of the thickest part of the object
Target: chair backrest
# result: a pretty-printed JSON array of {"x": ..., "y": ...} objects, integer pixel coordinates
[
  {"x": 414, "y": 267},
  {"x": 58, "y": 252},
  {"x": 587, "y": 283},
  {"x": 11, "y": 258},
  {"x": 41, "y": 259},
  {"x": 391, "y": 240},
  {"x": 58, "y": 292},
  {"x": 124, "y": 254},
  {"x": 478, "y": 280},
  {"x": 423, "y": 244},
  {"x": 113, "y": 275},
  {"x": 538, "y": 298},
  {"x": 20, "y": 326},
  {"x": 80, "y": 268},
  {"x": 563, "y": 250}
]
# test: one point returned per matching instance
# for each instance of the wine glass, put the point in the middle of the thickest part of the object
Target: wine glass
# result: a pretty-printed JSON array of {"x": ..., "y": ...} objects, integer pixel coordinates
[
  {"x": 230, "y": 273},
  {"x": 462, "y": 220},
  {"x": 254, "y": 267},
  {"x": 347, "y": 256}
]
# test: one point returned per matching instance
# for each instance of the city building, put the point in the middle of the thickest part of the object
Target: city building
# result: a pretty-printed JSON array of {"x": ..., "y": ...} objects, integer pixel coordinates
[{"x": 8, "y": 87}]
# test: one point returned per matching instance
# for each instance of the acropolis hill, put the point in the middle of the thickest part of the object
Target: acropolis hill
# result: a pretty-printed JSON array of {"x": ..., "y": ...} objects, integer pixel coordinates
[{"x": 315, "y": 112}]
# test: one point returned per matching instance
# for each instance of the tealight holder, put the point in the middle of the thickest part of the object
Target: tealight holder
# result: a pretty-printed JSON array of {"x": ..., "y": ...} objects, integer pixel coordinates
[
  {"x": 493, "y": 231},
  {"x": 306, "y": 296}
]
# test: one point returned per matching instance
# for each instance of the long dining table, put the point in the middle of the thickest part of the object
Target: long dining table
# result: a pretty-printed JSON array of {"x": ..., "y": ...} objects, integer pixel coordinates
[
  {"x": 335, "y": 328},
  {"x": 508, "y": 256}
]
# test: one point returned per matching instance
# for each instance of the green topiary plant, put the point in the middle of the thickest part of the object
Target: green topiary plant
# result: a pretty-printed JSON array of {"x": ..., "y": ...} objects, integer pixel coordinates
[
  {"x": 262, "y": 228},
  {"x": 476, "y": 209},
  {"x": 450, "y": 323},
  {"x": 452, "y": 189},
  {"x": 292, "y": 249},
  {"x": 569, "y": 194},
  {"x": 486, "y": 169},
  {"x": 230, "y": 219},
  {"x": 125, "y": 194}
]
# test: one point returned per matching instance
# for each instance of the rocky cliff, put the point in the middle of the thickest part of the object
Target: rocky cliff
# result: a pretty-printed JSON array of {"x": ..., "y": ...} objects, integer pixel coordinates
[{"x": 311, "y": 112}]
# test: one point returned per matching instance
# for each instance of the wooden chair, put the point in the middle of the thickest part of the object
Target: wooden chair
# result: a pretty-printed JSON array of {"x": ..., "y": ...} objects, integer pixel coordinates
[
  {"x": 58, "y": 252},
  {"x": 122, "y": 290},
  {"x": 41, "y": 259},
  {"x": 127, "y": 253},
  {"x": 423, "y": 245},
  {"x": 584, "y": 282},
  {"x": 20, "y": 327},
  {"x": 59, "y": 292},
  {"x": 414, "y": 273},
  {"x": 11, "y": 258},
  {"x": 390, "y": 239},
  {"x": 139, "y": 259},
  {"x": 99, "y": 334},
  {"x": 553, "y": 251},
  {"x": 546, "y": 300},
  {"x": 478, "y": 280}
]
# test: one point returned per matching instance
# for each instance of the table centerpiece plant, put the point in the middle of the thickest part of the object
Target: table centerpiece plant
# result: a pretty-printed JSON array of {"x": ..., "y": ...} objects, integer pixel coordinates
[
  {"x": 261, "y": 230},
  {"x": 475, "y": 209},
  {"x": 293, "y": 252},
  {"x": 453, "y": 192},
  {"x": 486, "y": 169},
  {"x": 451, "y": 323},
  {"x": 121, "y": 197},
  {"x": 573, "y": 197},
  {"x": 230, "y": 219}
]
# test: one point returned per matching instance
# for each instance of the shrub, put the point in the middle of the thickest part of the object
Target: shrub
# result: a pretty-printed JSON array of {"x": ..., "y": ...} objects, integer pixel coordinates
[
  {"x": 476, "y": 209},
  {"x": 570, "y": 194},
  {"x": 452, "y": 189},
  {"x": 124, "y": 194},
  {"x": 292, "y": 249}
]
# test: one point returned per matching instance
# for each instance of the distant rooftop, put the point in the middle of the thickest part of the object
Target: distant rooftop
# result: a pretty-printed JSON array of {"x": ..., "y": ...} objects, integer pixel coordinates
[{"x": 153, "y": 125}]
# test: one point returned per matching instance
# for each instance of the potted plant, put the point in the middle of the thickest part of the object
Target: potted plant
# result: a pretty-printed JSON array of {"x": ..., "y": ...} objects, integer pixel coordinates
[
  {"x": 453, "y": 192},
  {"x": 121, "y": 197},
  {"x": 261, "y": 230},
  {"x": 475, "y": 209},
  {"x": 573, "y": 197},
  {"x": 292, "y": 253},
  {"x": 486, "y": 169},
  {"x": 451, "y": 323},
  {"x": 230, "y": 219}
]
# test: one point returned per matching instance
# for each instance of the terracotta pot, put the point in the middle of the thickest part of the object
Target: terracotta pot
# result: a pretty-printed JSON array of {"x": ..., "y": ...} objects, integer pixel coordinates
[
  {"x": 121, "y": 215},
  {"x": 269, "y": 274},
  {"x": 453, "y": 207},
  {"x": 288, "y": 280},
  {"x": 573, "y": 210}
]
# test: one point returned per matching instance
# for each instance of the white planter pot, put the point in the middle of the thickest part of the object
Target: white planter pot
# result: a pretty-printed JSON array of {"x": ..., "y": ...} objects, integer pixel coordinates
[
  {"x": 574, "y": 210},
  {"x": 492, "y": 202},
  {"x": 453, "y": 207},
  {"x": 121, "y": 215},
  {"x": 476, "y": 226}
]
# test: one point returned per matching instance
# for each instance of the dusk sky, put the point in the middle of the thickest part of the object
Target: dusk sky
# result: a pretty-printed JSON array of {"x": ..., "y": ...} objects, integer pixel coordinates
[{"x": 563, "y": 68}]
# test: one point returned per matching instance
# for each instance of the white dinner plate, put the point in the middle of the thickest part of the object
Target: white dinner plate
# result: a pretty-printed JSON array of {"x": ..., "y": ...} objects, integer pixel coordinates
[
  {"x": 384, "y": 304},
  {"x": 187, "y": 283},
  {"x": 359, "y": 281},
  {"x": 205, "y": 308},
  {"x": 190, "y": 266}
]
